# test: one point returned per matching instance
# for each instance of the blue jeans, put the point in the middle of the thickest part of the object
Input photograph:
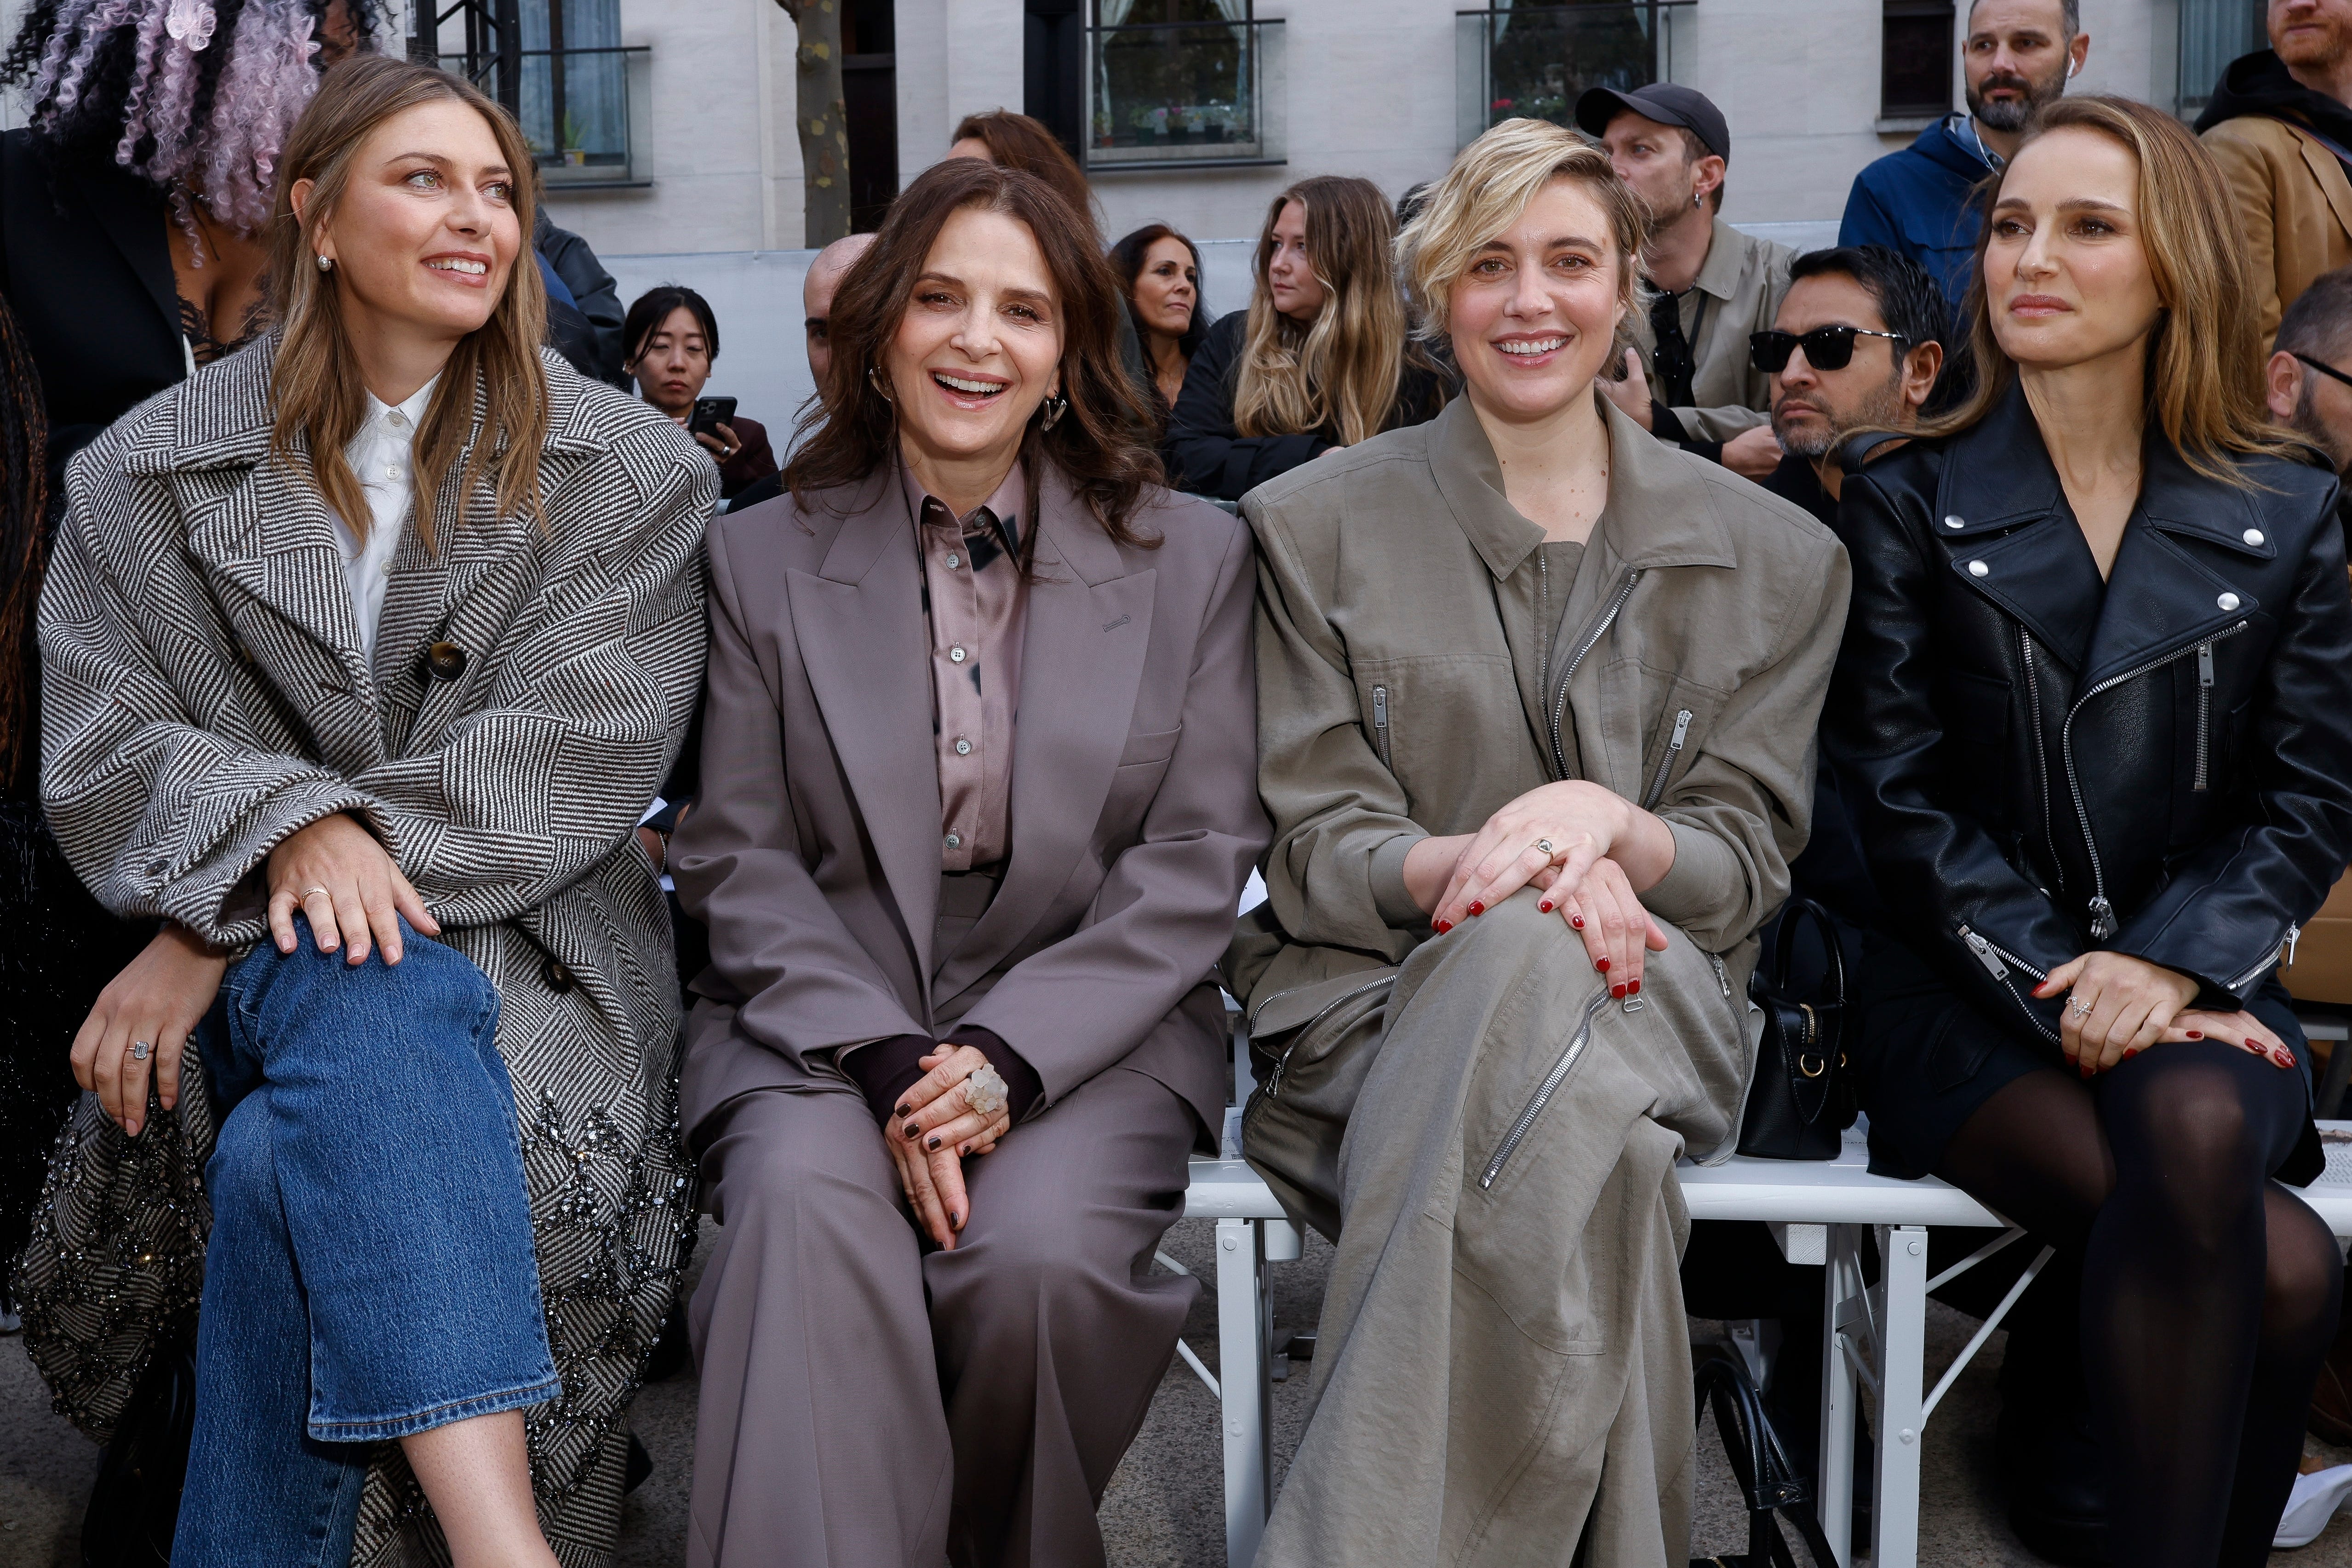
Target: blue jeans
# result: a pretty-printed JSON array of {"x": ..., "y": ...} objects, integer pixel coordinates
[{"x": 371, "y": 1272}]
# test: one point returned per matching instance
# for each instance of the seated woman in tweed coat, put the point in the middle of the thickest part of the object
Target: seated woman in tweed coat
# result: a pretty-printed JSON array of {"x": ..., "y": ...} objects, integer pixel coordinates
[{"x": 363, "y": 649}]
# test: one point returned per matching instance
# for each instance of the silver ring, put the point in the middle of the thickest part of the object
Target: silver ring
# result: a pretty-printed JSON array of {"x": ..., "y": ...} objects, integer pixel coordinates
[
  {"x": 2076, "y": 1005},
  {"x": 321, "y": 892},
  {"x": 140, "y": 1050},
  {"x": 1544, "y": 845}
]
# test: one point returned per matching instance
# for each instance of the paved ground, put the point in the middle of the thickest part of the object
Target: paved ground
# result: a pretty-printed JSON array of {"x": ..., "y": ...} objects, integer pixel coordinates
[{"x": 1164, "y": 1508}]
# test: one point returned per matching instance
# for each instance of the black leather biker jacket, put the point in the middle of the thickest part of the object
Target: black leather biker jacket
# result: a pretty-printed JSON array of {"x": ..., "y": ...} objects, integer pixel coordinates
[{"x": 2040, "y": 766}]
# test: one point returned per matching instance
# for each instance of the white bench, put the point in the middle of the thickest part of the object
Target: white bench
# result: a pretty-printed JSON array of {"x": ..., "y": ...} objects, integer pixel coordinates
[{"x": 1876, "y": 1335}]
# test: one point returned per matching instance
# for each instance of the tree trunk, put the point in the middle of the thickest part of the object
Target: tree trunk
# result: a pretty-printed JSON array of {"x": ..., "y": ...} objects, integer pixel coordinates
[{"x": 822, "y": 120}]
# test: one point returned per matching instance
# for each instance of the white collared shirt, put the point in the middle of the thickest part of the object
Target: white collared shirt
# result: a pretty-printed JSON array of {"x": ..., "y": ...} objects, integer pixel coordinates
[{"x": 381, "y": 455}]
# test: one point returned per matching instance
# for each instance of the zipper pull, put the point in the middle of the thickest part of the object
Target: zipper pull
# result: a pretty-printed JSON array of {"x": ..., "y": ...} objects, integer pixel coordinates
[
  {"x": 1722, "y": 980},
  {"x": 2205, "y": 665},
  {"x": 2292, "y": 933},
  {"x": 1985, "y": 954},
  {"x": 1682, "y": 731},
  {"x": 2103, "y": 918}
]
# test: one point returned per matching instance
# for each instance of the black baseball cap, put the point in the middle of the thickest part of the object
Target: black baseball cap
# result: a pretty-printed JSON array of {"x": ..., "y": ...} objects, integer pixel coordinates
[{"x": 1664, "y": 101}]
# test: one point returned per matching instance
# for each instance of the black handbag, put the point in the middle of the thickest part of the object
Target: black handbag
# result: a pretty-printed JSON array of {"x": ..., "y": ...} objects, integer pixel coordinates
[
  {"x": 135, "y": 1507},
  {"x": 1802, "y": 1100},
  {"x": 1768, "y": 1484}
]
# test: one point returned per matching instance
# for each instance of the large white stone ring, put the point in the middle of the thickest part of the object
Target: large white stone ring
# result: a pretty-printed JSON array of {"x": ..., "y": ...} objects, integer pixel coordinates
[
  {"x": 985, "y": 1093},
  {"x": 2076, "y": 1005},
  {"x": 140, "y": 1050}
]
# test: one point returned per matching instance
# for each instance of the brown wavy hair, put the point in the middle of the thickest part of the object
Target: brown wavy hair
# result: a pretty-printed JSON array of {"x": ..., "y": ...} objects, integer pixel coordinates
[
  {"x": 1341, "y": 371},
  {"x": 1019, "y": 141},
  {"x": 1100, "y": 443},
  {"x": 321, "y": 402},
  {"x": 2204, "y": 379}
]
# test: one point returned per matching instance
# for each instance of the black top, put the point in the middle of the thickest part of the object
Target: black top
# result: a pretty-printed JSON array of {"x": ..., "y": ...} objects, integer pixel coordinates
[
  {"x": 1207, "y": 456},
  {"x": 86, "y": 265}
]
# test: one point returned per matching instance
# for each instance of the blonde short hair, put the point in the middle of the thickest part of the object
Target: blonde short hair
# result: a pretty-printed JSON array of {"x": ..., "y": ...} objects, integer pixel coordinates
[{"x": 1490, "y": 185}]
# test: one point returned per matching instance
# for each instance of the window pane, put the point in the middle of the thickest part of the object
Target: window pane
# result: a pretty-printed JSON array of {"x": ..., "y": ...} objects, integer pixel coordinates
[
  {"x": 1543, "y": 58},
  {"x": 1916, "y": 76}
]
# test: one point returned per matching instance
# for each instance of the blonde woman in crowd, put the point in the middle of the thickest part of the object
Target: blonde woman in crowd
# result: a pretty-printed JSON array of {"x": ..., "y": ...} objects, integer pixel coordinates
[
  {"x": 1537, "y": 700},
  {"x": 363, "y": 649},
  {"x": 1322, "y": 358}
]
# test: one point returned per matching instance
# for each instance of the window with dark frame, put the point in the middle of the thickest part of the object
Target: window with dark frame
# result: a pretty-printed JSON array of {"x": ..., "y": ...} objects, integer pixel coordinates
[
  {"x": 869, "y": 87},
  {"x": 1914, "y": 77}
]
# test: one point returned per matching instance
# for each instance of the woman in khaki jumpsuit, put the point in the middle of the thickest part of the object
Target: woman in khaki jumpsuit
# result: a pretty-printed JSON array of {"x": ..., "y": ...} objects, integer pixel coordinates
[{"x": 1536, "y": 698}]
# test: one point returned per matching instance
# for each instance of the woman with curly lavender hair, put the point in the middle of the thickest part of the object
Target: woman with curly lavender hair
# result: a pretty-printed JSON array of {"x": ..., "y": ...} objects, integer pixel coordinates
[{"x": 131, "y": 206}]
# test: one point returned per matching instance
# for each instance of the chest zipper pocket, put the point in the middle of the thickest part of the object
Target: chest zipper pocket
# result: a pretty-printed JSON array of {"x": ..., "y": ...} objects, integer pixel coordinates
[
  {"x": 1992, "y": 956},
  {"x": 1534, "y": 1108},
  {"x": 2204, "y": 716},
  {"x": 1381, "y": 725},
  {"x": 1666, "y": 763}
]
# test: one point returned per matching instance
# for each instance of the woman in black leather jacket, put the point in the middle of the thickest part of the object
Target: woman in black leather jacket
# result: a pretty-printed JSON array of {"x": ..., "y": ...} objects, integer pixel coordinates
[{"x": 2096, "y": 699}]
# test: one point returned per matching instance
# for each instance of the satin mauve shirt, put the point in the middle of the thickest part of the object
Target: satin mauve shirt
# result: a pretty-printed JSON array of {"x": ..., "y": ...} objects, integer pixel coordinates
[{"x": 976, "y": 602}]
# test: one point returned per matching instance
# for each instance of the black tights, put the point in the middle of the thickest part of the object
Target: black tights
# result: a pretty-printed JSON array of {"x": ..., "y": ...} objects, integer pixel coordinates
[{"x": 2209, "y": 1293}]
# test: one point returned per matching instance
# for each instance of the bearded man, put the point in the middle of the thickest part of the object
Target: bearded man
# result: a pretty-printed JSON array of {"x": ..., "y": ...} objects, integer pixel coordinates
[
  {"x": 1920, "y": 202},
  {"x": 2280, "y": 128}
]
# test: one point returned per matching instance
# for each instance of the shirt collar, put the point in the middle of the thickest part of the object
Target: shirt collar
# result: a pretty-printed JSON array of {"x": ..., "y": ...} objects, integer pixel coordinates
[
  {"x": 1726, "y": 258},
  {"x": 410, "y": 412},
  {"x": 1003, "y": 506}
]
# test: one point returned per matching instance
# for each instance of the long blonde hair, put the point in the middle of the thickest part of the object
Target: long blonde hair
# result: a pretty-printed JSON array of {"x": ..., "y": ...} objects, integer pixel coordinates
[
  {"x": 321, "y": 402},
  {"x": 1340, "y": 371},
  {"x": 2204, "y": 385}
]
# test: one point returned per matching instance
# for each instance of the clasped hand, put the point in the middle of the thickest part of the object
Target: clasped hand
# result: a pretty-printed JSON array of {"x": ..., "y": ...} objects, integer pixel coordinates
[
  {"x": 2118, "y": 1006},
  {"x": 929, "y": 1134},
  {"x": 1592, "y": 832}
]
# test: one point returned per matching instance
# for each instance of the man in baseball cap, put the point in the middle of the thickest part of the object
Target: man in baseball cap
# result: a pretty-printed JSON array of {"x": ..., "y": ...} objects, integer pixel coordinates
[{"x": 1689, "y": 379}]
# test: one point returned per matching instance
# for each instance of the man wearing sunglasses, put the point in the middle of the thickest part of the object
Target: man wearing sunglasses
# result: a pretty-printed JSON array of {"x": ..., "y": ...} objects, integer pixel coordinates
[{"x": 1856, "y": 343}]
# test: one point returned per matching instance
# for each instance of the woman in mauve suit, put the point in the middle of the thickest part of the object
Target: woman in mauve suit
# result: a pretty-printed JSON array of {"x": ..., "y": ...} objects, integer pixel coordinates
[{"x": 978, "y": 797}]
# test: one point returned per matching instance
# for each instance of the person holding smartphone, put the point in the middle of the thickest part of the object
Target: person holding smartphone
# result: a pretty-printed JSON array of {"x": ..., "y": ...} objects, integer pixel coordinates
[{"x": 673, "y": 339}]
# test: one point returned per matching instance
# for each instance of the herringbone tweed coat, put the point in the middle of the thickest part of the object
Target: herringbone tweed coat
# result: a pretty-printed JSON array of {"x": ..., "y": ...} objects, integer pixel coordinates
[{"x": 204, "y": 696}]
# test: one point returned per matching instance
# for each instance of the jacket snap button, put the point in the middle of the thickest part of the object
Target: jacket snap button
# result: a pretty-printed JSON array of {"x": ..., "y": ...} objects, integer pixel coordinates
[
  {"x": 2228, "y": 601},
  {"x": 955, "y": 840},
  {"x": 1954, "y": 523},
  {"x": 1979, "y": 569},
  {"x": 559, "y": 978},
  {"x": 444, "y": 660},
  {"x": 2252, "y": 536}
]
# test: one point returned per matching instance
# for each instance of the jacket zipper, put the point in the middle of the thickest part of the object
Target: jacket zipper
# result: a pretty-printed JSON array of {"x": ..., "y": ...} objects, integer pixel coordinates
[
  {"x": 2102, "y": 913},
  {"x": 1380, "y": 723},
  {"x": 1274, "y": 1079},
  {"x": 2204, "y": 709},
  {"x": 1559, "y": 702},
  {"x": 1992, "y": 956},
  {"x": 1673, "y": 750},
  {"x": 1722, "y": 976},
  {"x": 1544, "y": 1091},
  {"x": 2041, "y": 748},
  {"x": 2283, "y": 952}
]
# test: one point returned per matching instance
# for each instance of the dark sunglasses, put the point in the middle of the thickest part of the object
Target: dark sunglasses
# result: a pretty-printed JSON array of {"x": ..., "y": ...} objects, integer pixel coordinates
[
  {"x": 2323, "y": 369},
  {"x": 1826, "y": 348}
]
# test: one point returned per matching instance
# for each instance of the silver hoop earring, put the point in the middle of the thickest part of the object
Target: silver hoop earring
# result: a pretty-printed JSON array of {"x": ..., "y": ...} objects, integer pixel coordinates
[
  {"x": 874, "y": 376},
  {"x": 1054, "y": 408},
  {"x": 325, "y": 264}
]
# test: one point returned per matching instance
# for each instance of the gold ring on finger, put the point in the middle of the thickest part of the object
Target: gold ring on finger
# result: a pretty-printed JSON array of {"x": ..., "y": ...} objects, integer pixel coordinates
[
  {"x": 1544, "y": 844},
  {"x": 320, "y": 891}
]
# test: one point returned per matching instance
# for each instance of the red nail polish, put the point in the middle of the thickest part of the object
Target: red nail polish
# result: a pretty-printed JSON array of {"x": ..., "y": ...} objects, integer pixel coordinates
[
  {"x": 1576, "y": 920},
  {"x": 1634, "y": 989},
  {"x": 1443, "y": 927},
  {"x": 2287, "y": 1059},
  {"x": 1543, "y": 909},
  {"x": 1476, "y": 907},
  {"x": 2196, "y": 1034},
  {"x": 1617, "y": 991},
  {"x": 1601, "y": 964}
]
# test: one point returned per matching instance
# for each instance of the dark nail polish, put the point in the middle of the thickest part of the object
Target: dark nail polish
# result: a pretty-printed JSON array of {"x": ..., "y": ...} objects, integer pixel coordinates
[
  {"x": 913, "y": 1131},
  {"x": 1476, "y": 907},
  {"x": 956, "y": 1220},
  {"x": 1618, "y": 992},
  {"x": 1601, "y": 964},
  {"x": 934, "y": 1143},
  {"x": 902, "y": 1110},
  {"x": 1443, "y": 927}
]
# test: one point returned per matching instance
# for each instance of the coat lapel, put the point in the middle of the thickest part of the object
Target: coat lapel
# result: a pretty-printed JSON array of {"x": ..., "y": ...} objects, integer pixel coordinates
[
  {"x": 1088, "y": 629},
  {"x": 126, "y": 208},
  {"x": 2164, "y": 596},
  {"x": 858, "y": 623},
  {"x": 2006, "y": 511},
  {"x": 2328, "y": 170}
]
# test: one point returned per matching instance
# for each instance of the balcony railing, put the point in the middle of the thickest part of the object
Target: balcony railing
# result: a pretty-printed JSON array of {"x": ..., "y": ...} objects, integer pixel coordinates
[
  {"x": 583, "y": 113},
  {"x": 1186, "y": 95},
  {"x": 1534, "y": 61}
]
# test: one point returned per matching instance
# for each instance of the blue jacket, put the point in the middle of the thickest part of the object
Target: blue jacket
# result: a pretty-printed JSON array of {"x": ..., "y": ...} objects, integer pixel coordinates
[{"x": 1918, "y": 202}]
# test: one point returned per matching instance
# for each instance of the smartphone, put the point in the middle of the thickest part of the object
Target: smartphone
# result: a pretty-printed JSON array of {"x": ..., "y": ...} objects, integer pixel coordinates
[{"x": 709, "y": 413}]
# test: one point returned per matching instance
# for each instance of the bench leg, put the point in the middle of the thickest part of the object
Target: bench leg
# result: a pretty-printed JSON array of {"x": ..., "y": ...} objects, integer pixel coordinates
[
  {"x": 1895, "y": 1507},
  {"x": 1842, "y": 1311},
  {"x": 1245, "y": 1323}
]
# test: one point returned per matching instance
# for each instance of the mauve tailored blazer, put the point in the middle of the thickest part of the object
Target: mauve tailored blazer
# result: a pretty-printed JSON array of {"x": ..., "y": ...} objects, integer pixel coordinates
[{"x": 813, "y": 852}]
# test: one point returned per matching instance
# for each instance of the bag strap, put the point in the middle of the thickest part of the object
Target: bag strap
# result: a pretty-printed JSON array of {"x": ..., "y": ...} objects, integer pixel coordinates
[
  {"x": 1784, "y": 944},
  {"x": 1768, "y": 1484}
]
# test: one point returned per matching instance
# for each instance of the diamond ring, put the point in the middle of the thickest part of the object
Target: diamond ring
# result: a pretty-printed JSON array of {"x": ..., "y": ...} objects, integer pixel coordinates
[
  {"x": 140, "y": 1050},
  {"x": 2076, "y": 1005},
  {"x": 1544, "y": 845}
]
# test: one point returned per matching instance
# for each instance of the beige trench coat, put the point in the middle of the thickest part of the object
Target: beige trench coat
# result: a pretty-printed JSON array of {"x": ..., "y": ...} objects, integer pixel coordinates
[{"x": 1388, "y": 711}]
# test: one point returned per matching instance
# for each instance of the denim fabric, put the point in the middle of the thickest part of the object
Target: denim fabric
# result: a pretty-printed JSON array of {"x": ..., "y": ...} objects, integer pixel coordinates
[{"x": 371, "y": 1272}]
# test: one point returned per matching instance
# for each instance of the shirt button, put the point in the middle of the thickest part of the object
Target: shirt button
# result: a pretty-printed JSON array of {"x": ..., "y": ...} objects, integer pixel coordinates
[
  {"x": 399, "y": 420},
  {"x": 956, "y": 654},
  {"x": 2228, "y": 601},
  {"x": 1954, "y": 523},
  {"x": 954, "y": 560},
  {"x": 955, "y": 840},
  {"x": 2252, "y": 536},
  {"x": 392, "y": 471},
  {"x": 963, "y": 747},
  {"x": 1979, "y": 569}
]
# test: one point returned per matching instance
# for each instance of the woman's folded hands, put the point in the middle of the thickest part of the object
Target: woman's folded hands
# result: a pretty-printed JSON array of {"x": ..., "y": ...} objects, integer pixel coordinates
[{"x": 930, "y": 1134}]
